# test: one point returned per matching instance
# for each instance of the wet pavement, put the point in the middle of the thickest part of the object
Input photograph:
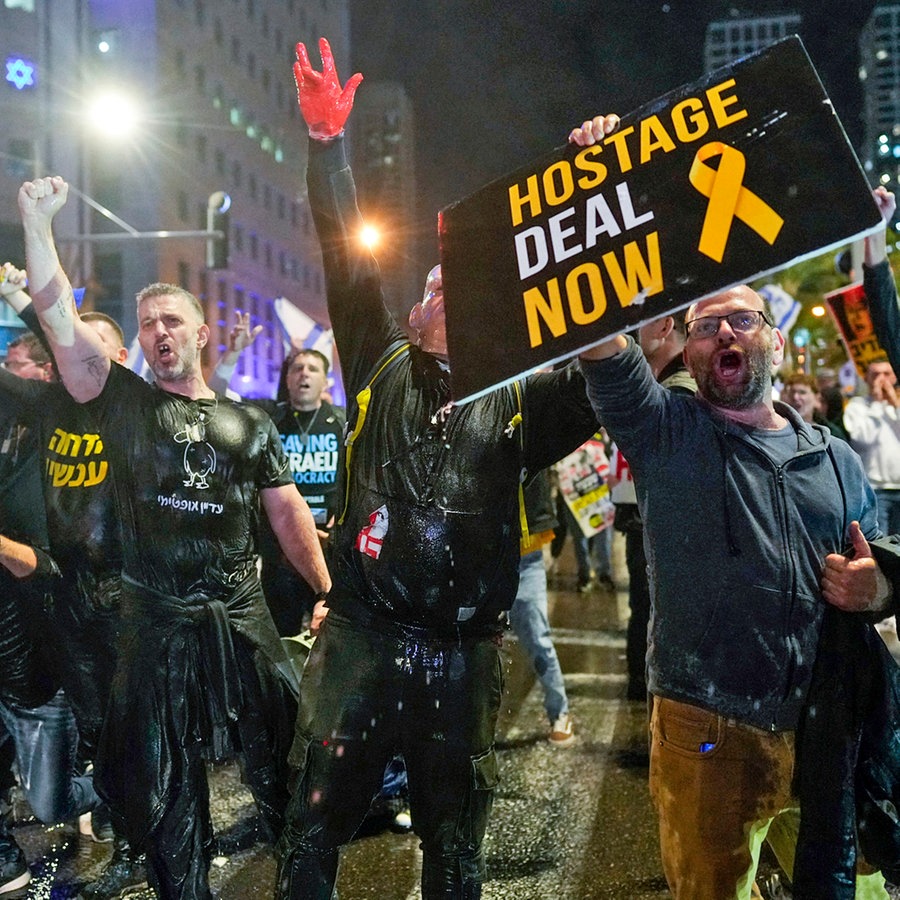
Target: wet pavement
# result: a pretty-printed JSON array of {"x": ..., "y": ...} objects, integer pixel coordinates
[{"x": 571, "y": 823}]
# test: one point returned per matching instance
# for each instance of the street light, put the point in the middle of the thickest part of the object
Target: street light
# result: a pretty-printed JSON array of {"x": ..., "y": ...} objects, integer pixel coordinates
[
  {"x": 370, "y": 236},
  {"x": 114, "y": 114}
]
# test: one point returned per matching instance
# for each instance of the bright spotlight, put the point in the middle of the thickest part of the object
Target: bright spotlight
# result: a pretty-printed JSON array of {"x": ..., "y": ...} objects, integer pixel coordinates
[
  {"x": 370, "y": 236},
  {"x": 113, "y": 114}
]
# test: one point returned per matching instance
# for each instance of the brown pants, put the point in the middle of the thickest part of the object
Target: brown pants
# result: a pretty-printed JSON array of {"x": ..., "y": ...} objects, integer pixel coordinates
[{"x": 717, "y": 804}]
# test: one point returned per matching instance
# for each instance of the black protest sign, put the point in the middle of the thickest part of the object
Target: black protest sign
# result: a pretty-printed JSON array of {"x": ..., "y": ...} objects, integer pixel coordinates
[
  {"x": 849, "y": 308},
  {"x": 714, "y": 184}
]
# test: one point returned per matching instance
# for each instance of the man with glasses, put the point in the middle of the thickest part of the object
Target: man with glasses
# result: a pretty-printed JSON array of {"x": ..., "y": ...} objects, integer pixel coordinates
[
  {"x": 26, "y": 357},
  {"x": 743, "y": 505}
]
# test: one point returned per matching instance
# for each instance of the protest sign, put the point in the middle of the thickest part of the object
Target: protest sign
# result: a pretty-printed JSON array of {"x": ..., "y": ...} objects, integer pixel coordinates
[
  {"x": 582, "y": 483},
  {"x": 849, "y": 308},
  {"x": 714, "y": 184}
]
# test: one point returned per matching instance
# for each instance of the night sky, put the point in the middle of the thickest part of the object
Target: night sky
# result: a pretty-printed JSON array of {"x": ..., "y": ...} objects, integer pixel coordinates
[{"x": 496, "y": 83}]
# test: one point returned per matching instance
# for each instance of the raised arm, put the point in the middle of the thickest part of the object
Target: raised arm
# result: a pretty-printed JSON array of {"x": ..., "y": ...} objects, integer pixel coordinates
[
  {"x": 80, "y": 358},
  {"x": 591, "y": 132},
  {"x": 881, "y": 291},
  {"x": 362, "y": 325},
  {"x": 876, "y": 244},
  {"x": 324, "y": 103},
  {"x": 240, "y": 338}
]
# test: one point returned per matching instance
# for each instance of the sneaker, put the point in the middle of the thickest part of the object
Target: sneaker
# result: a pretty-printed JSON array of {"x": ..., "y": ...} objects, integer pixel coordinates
[
  {"x": 562, "y": 733},
  {"x": 96, "y": 825},
  {"x": 123, "y": 873},
  {"x": 605, "y": 581},
  {"x": 585, "y": 587},
  {"x": 14, "y": 871}
]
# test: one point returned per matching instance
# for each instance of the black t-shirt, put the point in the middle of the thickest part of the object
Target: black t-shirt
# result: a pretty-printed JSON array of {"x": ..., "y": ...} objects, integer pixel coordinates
[
  {"x": 21, "y": 504},
  {"x": 312, "y": 442},
  {"x": 188, "y": 475},
  {"x": 77, "y": 484}
]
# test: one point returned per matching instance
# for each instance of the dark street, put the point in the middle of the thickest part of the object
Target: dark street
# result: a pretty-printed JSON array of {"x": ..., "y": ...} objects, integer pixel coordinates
[{"x": 570, "y": 823}]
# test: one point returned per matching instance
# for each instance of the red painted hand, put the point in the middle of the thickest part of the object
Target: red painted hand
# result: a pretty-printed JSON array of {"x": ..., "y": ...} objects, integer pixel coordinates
[{"x": 324, "y": 104}]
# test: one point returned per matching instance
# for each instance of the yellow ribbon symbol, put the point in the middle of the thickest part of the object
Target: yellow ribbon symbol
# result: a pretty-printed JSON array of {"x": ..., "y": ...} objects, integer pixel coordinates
[{"x": 728, "y": 198}]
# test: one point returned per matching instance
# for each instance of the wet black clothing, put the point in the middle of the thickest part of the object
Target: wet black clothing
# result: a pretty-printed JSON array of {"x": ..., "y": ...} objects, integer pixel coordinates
[
  {"x": 201, "y": 669},
  {"x": 83, "y": 535},
  {"x": 28, "y": 676},
  {"x": 311, "y": 440},
  {"x": 414, "y": 686},
  {"x": 24, "y": 678},
  {"x": 426, "y": 558},
  {"x": 448, "y": 476}
]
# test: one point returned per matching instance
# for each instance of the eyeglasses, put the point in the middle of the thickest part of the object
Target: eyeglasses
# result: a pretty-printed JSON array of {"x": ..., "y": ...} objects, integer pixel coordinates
[
  {"x": 744, "y": 321},
  {"x": 15, "y": 365}
]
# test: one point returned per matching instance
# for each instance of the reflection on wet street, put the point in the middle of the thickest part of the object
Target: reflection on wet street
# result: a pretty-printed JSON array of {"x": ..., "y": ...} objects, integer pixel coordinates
[{"x": 570, "y": 823}]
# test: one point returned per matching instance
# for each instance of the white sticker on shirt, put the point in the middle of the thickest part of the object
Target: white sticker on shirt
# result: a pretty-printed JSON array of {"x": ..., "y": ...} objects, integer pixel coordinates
[{"x": 371, "y": 538}]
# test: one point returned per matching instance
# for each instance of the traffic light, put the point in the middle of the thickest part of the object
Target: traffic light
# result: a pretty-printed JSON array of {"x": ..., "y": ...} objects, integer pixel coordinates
[{"x": 217, "y": 208}]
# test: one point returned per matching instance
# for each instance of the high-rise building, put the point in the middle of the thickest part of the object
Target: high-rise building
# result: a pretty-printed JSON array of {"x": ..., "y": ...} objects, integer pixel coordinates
[
  {"x": 880, "y": 71},
  {"x": 730, "y": 39},
  {"x": 384, "y": 169},
  {"x": 216, "y": 111},
  {"x": 41, "y": 67}
]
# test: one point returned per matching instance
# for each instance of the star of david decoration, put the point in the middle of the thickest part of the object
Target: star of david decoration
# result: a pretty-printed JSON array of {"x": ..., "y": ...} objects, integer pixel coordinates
[{"x": 19, "y": 72}]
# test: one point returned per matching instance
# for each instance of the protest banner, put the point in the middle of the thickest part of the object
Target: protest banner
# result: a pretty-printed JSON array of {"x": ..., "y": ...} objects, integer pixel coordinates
[
  {"x": 716, "y": 183},
  {"x": 582, "y": 482},
  {"x": 849, "y": 308}
]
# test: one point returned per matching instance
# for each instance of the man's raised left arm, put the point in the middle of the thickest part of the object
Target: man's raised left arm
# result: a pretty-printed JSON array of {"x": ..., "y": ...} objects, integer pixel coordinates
[
  {"x": 881, "y": 291},
  {"x": 78, "y": 351}
]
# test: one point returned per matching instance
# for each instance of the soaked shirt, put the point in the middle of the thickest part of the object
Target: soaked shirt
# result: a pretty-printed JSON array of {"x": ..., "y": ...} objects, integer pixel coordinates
[
  {"x": 77, "y": 483},
  {"x": 188, "y": 475},
  {"x": 431, "y": 533}
]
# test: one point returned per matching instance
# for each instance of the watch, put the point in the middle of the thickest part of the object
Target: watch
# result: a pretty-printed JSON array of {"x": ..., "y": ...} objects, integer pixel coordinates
[{"x": 321, "y": 595}]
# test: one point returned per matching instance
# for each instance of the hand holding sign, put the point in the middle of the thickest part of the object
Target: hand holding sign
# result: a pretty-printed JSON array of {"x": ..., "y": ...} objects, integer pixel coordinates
[
  {"x": 325, "y": 106},
  {"x": 718, "y": 183},
  {"x": 594, "y": 130}
]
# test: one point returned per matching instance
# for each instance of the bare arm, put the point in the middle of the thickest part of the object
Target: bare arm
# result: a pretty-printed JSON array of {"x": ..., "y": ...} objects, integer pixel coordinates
[
  {"x": 295, "y": 529},
  {"x": 19, "y": 559},
  {"x": 240, "y": 338},
  {"x": 78, "y": 350}
]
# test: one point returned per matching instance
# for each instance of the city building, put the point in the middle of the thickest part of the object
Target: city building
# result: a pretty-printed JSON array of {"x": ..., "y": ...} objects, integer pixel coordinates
[
  {"x": 729, "y": 39},
  {"x": 384, "y": 169},
  {"x": 214, "y": 114},
  {"x": 880, "y": 71}
]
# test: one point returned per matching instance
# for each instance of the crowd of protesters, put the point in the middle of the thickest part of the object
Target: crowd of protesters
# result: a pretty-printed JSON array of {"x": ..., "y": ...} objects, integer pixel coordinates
[{"x": 141, "y": 642}]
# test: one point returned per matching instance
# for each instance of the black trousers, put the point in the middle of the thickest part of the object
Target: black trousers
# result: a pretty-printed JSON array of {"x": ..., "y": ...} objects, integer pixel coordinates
[
  {"x": 639, "y": 606},
  {"x": 366, "y": 696}
]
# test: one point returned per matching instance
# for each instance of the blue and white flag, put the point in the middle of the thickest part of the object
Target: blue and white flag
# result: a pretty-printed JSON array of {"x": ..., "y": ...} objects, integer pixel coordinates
[
  {"x": 784, "y": 307},
  {"x": 300, "y": 330}
]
